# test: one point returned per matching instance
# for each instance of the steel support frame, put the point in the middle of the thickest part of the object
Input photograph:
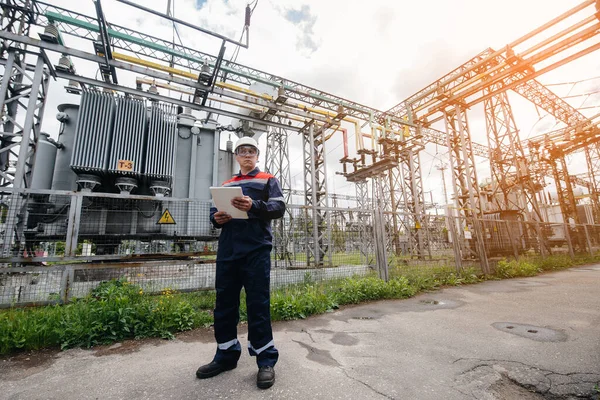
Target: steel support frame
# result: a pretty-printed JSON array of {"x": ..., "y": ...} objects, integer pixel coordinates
[
  {"x": 318, "y": 253},
  {"x": 565, "y": 194},
  {"x": 467, "y": 197},
  {"x": 365, "y": 222},
  {"x": 391, "y": 190},
  {"x": 16, "y": 17},
  {"x": 592, "y": 157},
  {"x": 381, "y": 228},
  {"x": 507, "y": 160},
  {"x": 278, "y": 164},
  {"x": 84, "y": 26},
  {"x": 566, "y": 199},
  {"x": 32, "y": 97},
  {"x": 414, "y": 203}
]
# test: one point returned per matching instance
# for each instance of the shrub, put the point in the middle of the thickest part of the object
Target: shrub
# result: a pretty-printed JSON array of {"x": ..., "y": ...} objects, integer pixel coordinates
[
  {"x": 295, "y": 303},
  {"x": 516, "y": 268},
  {"x": 113, "y": 311},
  {"x": 553, "y": 263}
]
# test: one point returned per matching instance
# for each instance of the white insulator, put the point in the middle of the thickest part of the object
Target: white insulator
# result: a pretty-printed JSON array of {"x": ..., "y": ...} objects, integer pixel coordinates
[
  {"x": 73, "y": 84},
  {"x": 51, "y": 30},
  {"x": 64, "y": 62}
]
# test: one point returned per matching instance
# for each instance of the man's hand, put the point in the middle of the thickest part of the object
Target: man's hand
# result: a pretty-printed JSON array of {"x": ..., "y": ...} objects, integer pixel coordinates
[
  {"x": 221, "y": 217},
  {"x": 243, "y": 203}
]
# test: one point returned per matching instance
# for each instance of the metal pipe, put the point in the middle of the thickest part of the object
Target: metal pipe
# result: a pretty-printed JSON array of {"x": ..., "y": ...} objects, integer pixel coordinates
[
  {"x": 553, "y": 22},
  {"x": 94, "y": 82},
  {"x": 359, "y": 142},
  {"x": 558, "y": 35},
  {"x": 236, "y": 88},
  {"x": 345, "y": 141},
  {"x": 193, "y": 160},
  {"x": 216, "y": 147}
]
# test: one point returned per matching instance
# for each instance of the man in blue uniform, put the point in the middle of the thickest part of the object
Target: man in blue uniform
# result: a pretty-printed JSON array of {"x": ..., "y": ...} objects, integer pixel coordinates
[{"x": 244, "y": 260}]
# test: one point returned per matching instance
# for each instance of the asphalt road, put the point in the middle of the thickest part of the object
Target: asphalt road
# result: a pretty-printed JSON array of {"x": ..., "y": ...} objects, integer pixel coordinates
[{"x": 531, "y": 338}]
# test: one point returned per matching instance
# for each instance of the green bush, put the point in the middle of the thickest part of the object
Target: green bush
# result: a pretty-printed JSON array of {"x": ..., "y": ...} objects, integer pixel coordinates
[
  {"x": 114, "y": 311},
  {"x": 516, "y": 268},
  {"x": 301, "y": 301},
  {"x": 553, "y": 263}
]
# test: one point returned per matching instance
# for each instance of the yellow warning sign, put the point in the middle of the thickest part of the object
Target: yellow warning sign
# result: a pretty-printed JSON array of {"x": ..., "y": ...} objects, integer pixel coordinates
[{"x": 166, "y": 218}]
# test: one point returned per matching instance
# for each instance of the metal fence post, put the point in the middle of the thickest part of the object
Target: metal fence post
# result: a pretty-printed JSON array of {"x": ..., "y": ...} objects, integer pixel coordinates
[
  {"x": 380, "y": 240},
  {"x": 569, "y": 242},
  {"x": 67, "y": 279},
  {"x": 73, "y": 225},
  {"x": 541, "y": 241},
  {"x": 455, "y": 245},
  {"x": 589, "y": 242},
  {"x": 512, "y": 240}
]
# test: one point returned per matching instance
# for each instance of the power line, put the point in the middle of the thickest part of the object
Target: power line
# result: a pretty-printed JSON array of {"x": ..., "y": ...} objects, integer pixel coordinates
[
  {"x": 236, "y": 52},
  {"x": 571, "y": 83}
]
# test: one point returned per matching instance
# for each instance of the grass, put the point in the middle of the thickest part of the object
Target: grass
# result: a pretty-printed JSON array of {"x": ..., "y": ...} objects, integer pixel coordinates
[{"x": 119, "y": 310}]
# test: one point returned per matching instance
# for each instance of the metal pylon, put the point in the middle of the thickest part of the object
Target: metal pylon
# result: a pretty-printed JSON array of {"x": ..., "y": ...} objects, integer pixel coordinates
[
  {"x": 20, "y": 89},
  {"x": 413, "y": 201},
  {"x": 365, "y": 223},
  {"x": 278, "y": 163},
  {"x": 508, "y": 164},
  {"x": 388, "y": 192},
  {"x": 403, "y": 195},
  {"x": 318, "y": 250},
  {"x": 467, "y": 198},
  {"x": 23, "y": 89}
]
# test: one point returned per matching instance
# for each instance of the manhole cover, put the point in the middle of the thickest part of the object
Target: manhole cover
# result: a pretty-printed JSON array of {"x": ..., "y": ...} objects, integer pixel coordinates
[
  {"x": 537, "y": 333},
  {"x": 434, "y": 302}
]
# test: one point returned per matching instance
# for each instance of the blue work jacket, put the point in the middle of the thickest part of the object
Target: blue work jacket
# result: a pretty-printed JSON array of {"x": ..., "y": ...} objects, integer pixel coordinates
[{"x": 239, "y": 237}]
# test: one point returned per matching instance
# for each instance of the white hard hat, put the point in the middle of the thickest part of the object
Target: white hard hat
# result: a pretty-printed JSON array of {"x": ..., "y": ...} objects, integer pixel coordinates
[{"x": 245, "y": 141}]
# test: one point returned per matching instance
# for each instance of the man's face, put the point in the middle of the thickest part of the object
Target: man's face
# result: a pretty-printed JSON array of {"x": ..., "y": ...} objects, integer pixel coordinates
[{"x": 247, "y": 157}]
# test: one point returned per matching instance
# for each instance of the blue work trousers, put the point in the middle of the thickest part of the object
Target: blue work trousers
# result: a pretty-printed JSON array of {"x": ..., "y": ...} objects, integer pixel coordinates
[{"x": 252, "y": 272}]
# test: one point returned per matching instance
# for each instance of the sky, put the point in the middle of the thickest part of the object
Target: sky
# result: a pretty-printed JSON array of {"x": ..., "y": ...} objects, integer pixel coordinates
[{"x": 374, "y": 53}]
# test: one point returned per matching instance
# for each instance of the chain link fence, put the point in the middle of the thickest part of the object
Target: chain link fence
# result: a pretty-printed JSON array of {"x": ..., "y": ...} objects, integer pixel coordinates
[{"x": 57, "y": 246}]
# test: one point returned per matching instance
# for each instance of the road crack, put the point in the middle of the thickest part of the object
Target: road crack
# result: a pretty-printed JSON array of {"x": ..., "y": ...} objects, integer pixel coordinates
[
  {"x": 366, "y": 385},
  {"x": 485, "y": 375}
]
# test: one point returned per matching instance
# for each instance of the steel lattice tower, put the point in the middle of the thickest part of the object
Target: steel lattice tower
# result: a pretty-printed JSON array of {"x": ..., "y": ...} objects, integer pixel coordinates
[
  {"x": 414, "y": 200},
  {"x": 278, "y": 163},
  {"x": 318, "y": 253},
  {"x": 508, "y": 164},
  {"x": 467, "y": 197},
  {"x": 365, "y": 223},
  {"x": 20, "y": 90}
]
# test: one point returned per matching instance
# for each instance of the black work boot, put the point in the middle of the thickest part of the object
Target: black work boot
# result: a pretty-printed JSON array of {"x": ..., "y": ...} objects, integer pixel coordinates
[
  {"x": 213, "y": 369},
  {"x": 265, "y": 377}
]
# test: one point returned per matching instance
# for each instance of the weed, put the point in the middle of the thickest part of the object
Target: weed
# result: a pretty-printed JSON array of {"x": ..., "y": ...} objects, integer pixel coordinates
[{"x": 516, "y": 268}]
